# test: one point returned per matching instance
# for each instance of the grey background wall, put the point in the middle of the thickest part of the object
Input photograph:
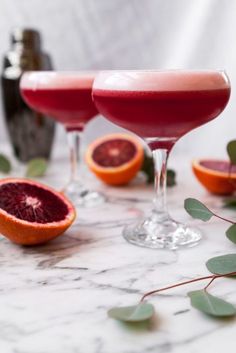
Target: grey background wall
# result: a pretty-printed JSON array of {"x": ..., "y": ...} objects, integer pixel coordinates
[{"x": 105, "y": 34}]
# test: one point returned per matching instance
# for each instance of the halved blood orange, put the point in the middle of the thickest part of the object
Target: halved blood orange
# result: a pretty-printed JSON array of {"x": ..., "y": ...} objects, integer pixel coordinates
[
  {"x": 115, "y": 158},
  {"x": 32, "y": 213},
  {"x": 214, "y": 175}
]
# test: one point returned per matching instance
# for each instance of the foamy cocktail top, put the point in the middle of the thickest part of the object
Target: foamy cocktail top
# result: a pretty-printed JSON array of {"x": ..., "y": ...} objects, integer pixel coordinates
[
  {"x": 57, "y": 80},
  {"x": 172, "y": 80}
]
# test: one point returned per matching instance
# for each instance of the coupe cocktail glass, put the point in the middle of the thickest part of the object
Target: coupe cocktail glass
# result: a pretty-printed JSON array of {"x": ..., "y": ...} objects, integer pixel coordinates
[
  {"x": 160, "y": 107},
  {"x": 66, "y": 97}
]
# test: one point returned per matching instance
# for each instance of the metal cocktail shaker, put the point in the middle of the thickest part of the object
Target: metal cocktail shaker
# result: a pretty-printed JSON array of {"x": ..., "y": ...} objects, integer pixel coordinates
[{"x": 31, "y": 133}]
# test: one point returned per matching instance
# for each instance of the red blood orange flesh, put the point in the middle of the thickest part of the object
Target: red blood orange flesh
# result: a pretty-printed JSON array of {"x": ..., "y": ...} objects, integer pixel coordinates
[
  {"x": 32, "y": 213},
  {"x": 114, "y": 153},
  {"x": 217, "y": 176},
  {"x": 115, "y": 158},
  {"x": 218, "y": 166}
]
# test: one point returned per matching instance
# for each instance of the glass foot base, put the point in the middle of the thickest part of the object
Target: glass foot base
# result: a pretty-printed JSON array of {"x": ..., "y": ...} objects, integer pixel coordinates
[
  {"x": 167, "y": 234},
  {"x": 81, "y": 197}
]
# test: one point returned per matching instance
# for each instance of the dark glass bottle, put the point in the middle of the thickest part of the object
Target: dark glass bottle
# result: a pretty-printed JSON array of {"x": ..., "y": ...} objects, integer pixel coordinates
[{"x": 31, "y": 133}]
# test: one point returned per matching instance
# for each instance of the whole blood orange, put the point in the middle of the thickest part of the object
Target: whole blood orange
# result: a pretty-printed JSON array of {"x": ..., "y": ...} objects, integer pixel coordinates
[
  {"x": 32, "y": 213},
  {"x": 115, "y": 158},
  {"x": 216, "y": 175}
]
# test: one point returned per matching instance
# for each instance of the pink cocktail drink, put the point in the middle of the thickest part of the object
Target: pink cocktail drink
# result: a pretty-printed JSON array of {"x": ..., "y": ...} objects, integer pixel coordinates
[
  {"x": 160, "y": 107},
  {"x": 67, "y": 98},
  {"x": 162, "y": 104}
]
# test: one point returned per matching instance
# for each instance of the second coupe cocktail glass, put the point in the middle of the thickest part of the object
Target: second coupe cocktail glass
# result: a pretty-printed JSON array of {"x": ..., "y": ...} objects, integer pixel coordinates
[
  {"x": 160, "y": 107},
  {"x": 66, "y": 97}
]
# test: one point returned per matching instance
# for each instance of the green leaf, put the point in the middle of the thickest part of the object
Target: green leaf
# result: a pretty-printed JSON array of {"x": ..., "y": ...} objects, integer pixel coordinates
[
  {"x": 197, "y": 210},
  {"x": 135, "y": 313},
  {"x": 5, "y": 164},
  {"x": 148, "y": 168},
  {"x": 210, "y": 304},
  {"x": 171, "y": 177},
  {"x": 149, "y": 171},
  {"x": 221, "y": 265},
  {"x": 231, "y": 149},
  {"x": 230, "y": 203},
  {"x": 36, "y": 167},
  {"x": 231, "y": 233}
]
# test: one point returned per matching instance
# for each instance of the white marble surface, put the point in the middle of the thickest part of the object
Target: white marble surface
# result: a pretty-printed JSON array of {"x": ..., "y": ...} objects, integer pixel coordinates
[{"x": 54, "y": 298}]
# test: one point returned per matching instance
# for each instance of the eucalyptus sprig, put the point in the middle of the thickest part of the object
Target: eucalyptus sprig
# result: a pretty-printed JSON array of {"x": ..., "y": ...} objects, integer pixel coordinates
[
  {"x": 231, "y": 150},
  {"x": 202, "y": 300},
  {"x": 36, "y": 167},
  {"x": 149, "y": 171},
  {"x": 220, "y": 266},
  {"x": 5, "y": 164},
  {"x": 198, "y": 210}
]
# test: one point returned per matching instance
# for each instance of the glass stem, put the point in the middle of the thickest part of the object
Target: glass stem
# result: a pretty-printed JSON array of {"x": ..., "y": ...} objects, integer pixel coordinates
[
  {"x": 160, "y": 157},
  {"x": 73, "y": 138}
]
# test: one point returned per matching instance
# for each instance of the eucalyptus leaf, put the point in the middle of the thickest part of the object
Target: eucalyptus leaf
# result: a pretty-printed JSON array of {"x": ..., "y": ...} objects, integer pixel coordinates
[
  {"x": 230, "y": 203},
  {"x": 197, "y": 209},
  {"x": 148, "y": 168},
  {"x": 211, "y": 305},
  {"x": 221, "y": 265},
  {"x": 231, "y": 233},
  {"x": 36, "y": 167},
  {"x": 171, "y": 177},
  {"x": 231, "y": 149},
  {"x": 135, "y": 313},
  {"x": 5, "y": 164}
]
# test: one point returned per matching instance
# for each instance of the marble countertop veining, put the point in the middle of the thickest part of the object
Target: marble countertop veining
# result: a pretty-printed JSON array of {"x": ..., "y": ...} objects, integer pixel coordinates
[{"x": 54, "y": 298}]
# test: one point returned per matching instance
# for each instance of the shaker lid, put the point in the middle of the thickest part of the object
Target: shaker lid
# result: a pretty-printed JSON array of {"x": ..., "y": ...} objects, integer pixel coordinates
[{"x": 29, "y": 37}]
